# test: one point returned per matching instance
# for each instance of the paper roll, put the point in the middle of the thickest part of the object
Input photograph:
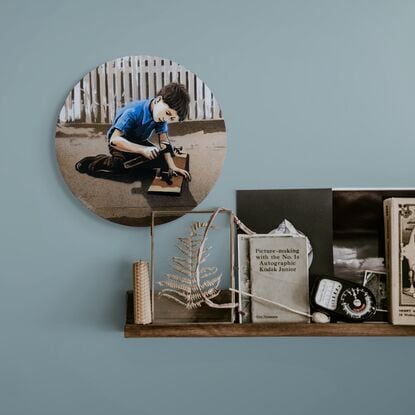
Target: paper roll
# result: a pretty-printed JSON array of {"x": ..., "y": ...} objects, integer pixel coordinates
[{"x": 142, "y": 296}]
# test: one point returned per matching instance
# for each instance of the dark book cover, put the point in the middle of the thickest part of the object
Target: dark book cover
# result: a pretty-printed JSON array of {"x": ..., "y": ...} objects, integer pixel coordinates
[{"x": 309, "y": 210}]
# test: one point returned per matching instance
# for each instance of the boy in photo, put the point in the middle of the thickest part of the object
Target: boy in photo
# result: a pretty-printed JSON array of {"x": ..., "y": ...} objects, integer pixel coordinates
[{"x": 129, "y": 134}]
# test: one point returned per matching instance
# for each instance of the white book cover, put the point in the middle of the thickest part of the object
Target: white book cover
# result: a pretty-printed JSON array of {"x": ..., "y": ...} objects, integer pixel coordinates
[
  {"x": 279, "y": 272},
  {"x": 400, "y": 258}
]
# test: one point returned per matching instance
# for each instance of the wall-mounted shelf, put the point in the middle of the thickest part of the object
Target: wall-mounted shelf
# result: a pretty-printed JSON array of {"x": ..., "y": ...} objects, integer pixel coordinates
[{"x": 132, "y": 330}]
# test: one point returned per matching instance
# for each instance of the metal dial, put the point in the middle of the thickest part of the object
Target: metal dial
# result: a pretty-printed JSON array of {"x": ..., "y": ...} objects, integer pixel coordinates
[{"x": 357, "y": 303}]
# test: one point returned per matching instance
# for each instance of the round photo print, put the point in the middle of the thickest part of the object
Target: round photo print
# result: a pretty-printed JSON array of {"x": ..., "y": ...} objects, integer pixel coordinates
[{"x": 140, "y": 134}]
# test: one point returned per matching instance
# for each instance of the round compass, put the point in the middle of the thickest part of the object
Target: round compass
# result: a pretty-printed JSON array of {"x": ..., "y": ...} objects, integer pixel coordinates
[{"x": 358, "y": 303}]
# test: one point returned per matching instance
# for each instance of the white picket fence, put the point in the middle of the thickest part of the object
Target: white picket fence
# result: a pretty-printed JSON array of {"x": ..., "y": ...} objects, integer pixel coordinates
[{"x": 103, "y": 91}]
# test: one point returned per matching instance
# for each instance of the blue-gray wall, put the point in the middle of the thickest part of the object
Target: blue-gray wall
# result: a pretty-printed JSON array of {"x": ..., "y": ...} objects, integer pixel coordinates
[{"x": 314, "y": 93}]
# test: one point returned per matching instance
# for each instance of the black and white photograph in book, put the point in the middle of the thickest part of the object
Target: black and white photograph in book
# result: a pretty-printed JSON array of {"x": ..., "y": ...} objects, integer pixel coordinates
[
  {"x": 358, "y": 231},
  {"x": 140, "y": 133},
  {"x": 407, "y": 254}
]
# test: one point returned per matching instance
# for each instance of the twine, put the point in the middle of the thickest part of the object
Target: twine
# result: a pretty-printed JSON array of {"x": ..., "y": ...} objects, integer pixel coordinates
[{"x": 248, "y": 231}]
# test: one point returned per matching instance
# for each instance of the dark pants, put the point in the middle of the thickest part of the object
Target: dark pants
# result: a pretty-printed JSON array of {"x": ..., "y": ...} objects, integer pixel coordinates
[{"x": 114, "y": 162}]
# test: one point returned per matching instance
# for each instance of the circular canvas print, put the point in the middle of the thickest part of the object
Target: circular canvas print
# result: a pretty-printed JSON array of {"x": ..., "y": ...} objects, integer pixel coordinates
[{"x": 137, "y": 134}]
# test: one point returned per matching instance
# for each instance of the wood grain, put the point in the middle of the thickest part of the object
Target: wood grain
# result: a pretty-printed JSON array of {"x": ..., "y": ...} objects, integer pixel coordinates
[
  {"x": 261, "y": 330},
  {"x": 175, "y": 188}
]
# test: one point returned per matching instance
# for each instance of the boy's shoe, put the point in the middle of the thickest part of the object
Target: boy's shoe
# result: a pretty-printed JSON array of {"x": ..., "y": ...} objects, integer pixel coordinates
[
  {"x": 87, "y": 164},
  {"x": 82, "y": 165}
]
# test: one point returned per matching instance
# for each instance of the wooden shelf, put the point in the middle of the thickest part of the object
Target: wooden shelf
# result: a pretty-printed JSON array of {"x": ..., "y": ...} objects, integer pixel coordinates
[{"x": 132, "y": 330}]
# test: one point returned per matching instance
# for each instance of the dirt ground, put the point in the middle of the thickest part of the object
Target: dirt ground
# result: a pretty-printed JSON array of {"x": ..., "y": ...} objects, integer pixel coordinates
[{"x": 129, "y": 203}]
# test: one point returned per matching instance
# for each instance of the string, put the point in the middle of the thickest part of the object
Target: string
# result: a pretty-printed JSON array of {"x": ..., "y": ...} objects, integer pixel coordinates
[
  {"x": 257, "y": 297},
  {"x": 248, "y": 231},
  {"x": 240, "y": 225}
]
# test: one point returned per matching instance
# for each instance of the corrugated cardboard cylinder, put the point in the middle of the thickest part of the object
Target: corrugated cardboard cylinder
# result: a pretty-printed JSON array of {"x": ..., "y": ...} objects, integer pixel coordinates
[{"x": 142, "y": 296}]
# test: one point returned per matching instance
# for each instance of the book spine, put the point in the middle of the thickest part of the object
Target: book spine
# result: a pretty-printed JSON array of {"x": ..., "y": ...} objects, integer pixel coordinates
[
  {"x": 387, "y": 225},
  {"x": 141, "y": 293},
  {"x": 394, "y": 263},
  {"x": 244, "y": 281}
]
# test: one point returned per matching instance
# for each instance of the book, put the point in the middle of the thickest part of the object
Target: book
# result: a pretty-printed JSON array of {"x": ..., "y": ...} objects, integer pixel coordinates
[
  {"x": 279, "y": 273},
  {"x": 400, "y": 258},
  {"x": 387, "y": 244},
  {"x": 244, "y": 280}
]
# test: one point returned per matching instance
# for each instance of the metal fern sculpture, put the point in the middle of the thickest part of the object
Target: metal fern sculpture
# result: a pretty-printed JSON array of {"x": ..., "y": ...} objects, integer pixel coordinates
[{"x": 182, "y": 287}]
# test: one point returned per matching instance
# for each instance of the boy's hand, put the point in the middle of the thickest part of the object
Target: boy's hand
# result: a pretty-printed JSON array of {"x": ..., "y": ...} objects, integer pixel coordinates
[
  {"x": 150, "y": 152},
  {"x": 182, "y": 172}
]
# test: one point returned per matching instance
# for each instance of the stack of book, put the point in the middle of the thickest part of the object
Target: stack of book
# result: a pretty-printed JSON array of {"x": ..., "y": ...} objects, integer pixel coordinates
[{"x": 347, "y": 229}]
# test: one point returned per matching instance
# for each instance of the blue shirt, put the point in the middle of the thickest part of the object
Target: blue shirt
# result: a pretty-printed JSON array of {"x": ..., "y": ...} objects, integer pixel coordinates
[{"x": 136, "y": 123}]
